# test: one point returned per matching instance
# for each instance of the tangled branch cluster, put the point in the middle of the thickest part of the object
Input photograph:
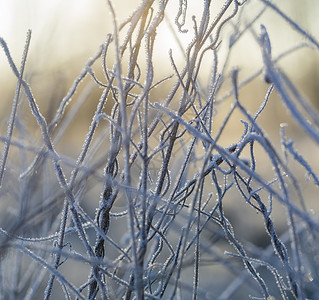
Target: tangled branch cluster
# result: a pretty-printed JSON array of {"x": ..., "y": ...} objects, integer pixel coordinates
[{"x": 162, "y": 174}]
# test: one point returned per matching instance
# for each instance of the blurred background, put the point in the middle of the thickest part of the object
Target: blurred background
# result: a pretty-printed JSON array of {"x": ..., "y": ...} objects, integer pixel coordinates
[{"x": 66, "y": 33}]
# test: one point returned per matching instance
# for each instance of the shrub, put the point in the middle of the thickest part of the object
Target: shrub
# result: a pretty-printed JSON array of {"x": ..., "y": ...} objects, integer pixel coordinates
[{"x": 156, "y": 203}]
